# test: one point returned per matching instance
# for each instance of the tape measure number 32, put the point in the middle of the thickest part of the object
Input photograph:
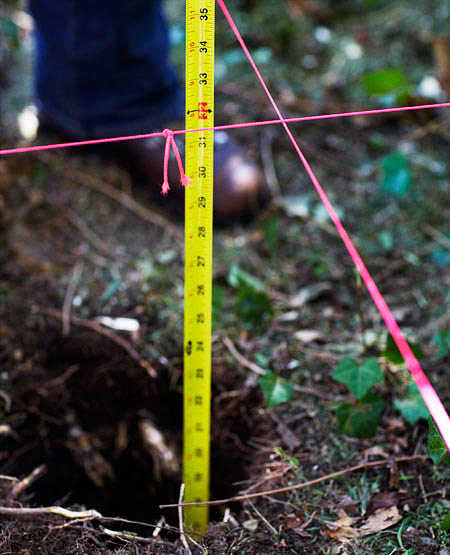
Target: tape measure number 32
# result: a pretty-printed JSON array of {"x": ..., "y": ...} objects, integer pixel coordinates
[{"x": 200, "y": 18}]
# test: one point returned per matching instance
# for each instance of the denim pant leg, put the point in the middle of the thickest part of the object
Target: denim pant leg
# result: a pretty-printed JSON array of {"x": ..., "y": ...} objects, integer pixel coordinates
[{"x": 102, "y": 66}]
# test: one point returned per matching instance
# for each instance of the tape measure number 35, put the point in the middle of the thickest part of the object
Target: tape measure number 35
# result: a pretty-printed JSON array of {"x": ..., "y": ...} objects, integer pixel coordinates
[{"x": 200, "y": 18}]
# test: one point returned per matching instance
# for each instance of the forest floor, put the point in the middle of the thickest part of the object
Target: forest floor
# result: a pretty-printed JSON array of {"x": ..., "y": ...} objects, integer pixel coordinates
[{"x": 80, "y": 402}]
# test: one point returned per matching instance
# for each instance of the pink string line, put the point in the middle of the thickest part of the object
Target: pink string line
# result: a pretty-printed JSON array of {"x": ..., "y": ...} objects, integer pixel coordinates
[
  {"x": 223, "y": 127},
  {"x": 427, "y": 391}
]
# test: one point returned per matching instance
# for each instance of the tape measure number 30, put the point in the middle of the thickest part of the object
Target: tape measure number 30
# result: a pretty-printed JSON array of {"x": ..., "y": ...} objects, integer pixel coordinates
[{"x": 200, "y": 19}]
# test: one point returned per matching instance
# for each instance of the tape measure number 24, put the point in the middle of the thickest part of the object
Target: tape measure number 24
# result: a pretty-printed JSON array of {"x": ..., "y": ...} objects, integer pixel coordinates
[{"x": 200, "y": 19}]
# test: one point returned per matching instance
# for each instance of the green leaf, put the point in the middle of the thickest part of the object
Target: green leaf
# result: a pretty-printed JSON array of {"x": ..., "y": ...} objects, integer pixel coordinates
[
  {"x": 275, "y": 389},
  {"x": 435, "y": 445},
  {"x": 362, "y": 418},
  {"x": 237, "y": 277},
  {"x": 396, "y": 174},
  {"x": 442, "y": 340},
  {"x": 253, "y": 304},
  {"x": 359, "y": 378},
  {"x": 394, "y": 356},
  {"x": 412, "y": 407},
  {"x": 445, "y": 524},
  {"x": 271, "y": 233},
  {"x": 387, "y": 81}
]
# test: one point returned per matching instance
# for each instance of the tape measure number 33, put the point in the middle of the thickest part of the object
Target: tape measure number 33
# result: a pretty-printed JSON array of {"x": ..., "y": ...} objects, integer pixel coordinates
[{"x": 200, "y": 18}]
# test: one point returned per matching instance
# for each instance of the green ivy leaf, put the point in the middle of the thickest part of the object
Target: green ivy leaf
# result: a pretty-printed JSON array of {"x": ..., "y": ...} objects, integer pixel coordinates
[
  {"x": 412, "y": 407},
  {"x": 253, "y": 304},
  {"x": 275, "y": 389},
  {"x": 396, "y": 174},
  {"x": 387, "y": 81},
  {"x": 359, "y": 378},
  {"x": 435, "y": 445},
  {"x": 362, "y": 418},
  {"x": 393, "y": 355},
  {"x": 237, "y": 277},
  {"x": 442, "y": 340},
  {"x": 445, "y": 524}
]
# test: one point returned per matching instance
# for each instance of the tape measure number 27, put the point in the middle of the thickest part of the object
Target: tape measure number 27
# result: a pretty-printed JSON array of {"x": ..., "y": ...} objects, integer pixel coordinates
[{"x": 200, "y": 18}]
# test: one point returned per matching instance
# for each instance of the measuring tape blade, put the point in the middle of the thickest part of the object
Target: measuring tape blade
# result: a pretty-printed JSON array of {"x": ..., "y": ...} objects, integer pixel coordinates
[{"x": 200, "y": 18}]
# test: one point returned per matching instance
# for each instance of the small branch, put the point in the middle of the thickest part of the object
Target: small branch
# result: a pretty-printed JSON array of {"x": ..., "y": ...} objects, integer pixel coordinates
[
  {"x": 67, "y": 374},
  {"x": 89, "y": 235},
  {"x": 323, "y": 355},
  {"x": 60, "y": 511},
  {"x": 242, "y": 360},
  {"x": 26, "y": 482},
  {"x": 302, "y": 485},
  {"x": 68, "y": 297},
  {"x": 180, "y": 520},
  {"x": 7, "y": 399},
  {"x": 128, "y": 202},
  {"x": 8, "y": 478},
  {"x": 437, "y": 236},
  {"x": 98, "y": 328},
  {"x": 125, "y": 536}
]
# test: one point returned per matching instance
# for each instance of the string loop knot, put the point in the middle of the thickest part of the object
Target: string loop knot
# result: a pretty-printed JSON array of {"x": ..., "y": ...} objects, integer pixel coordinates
[{"x": 170, "y": 142}]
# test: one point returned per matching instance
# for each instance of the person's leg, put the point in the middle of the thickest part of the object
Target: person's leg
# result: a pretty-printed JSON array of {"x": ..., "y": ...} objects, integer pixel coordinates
[{"x": 102, "y": 66}]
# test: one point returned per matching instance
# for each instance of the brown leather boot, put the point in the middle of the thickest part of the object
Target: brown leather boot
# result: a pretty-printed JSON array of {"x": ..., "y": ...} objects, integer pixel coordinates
[{"x": 238, "y": 182}]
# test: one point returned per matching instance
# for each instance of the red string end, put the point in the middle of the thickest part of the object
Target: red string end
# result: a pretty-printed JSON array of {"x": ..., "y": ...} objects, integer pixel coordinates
[
  {"x": 170, "y": 142},
  {"x": 184, "y": 179},
  {"x": 168, "y": 134}
]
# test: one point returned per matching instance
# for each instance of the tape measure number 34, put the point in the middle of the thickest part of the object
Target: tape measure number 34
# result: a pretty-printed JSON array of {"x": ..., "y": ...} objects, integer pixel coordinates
[{"x": 200, "y": 18}]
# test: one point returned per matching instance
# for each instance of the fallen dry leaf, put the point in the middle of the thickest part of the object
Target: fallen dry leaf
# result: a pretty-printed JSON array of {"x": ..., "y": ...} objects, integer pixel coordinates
[
  {"x": 341, "y": 529},
  {"x": 380, "y": 520}
]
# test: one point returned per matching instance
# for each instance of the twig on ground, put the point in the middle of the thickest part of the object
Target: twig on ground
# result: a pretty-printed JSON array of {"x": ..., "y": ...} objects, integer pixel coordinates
[
  {"x": 64, "y": 376},
  {"x": 308, "y": 391},
  {"x": 89, "y": 235},
  {"x": 302, "y": 485},
  {"x": 60, "y": 511},
  {"x": 8, "y": 478},
  {"x": 121, "y": 197},
  {"x": 180, "y": 520},
  {"x": 125, "y": 536},
  {"x": 323, "y": 355},
  {"x": 98, "y": 328},
  {"x": 7, "y": 400},
  {"x": 26, "y": 482},
  {"x": 438, "y": 236},
  {"x": 132, "y": 205},
  {"x": 68, "y": 297},
  {"x": 242, "y": 360},
  {"x": 264, "y": 520},
  {"x": 159, "y": 527}
]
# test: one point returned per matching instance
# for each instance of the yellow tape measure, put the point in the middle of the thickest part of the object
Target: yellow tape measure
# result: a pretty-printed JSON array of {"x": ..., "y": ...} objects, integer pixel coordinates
[{"x": 200, "y": 18}]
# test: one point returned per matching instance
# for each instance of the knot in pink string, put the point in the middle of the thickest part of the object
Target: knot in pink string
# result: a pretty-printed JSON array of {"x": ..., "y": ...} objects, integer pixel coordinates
[{"x": 170, "y": 142}]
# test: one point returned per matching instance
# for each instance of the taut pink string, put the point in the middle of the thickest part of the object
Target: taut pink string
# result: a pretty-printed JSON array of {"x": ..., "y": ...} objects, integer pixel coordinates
[
  {"x": 427, "y": 391},
  {"x": 37, "y": 148}
]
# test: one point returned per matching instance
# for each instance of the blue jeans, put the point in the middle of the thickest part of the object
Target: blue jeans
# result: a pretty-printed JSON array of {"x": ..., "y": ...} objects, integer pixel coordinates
[{"x": 102, "y": 66}]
